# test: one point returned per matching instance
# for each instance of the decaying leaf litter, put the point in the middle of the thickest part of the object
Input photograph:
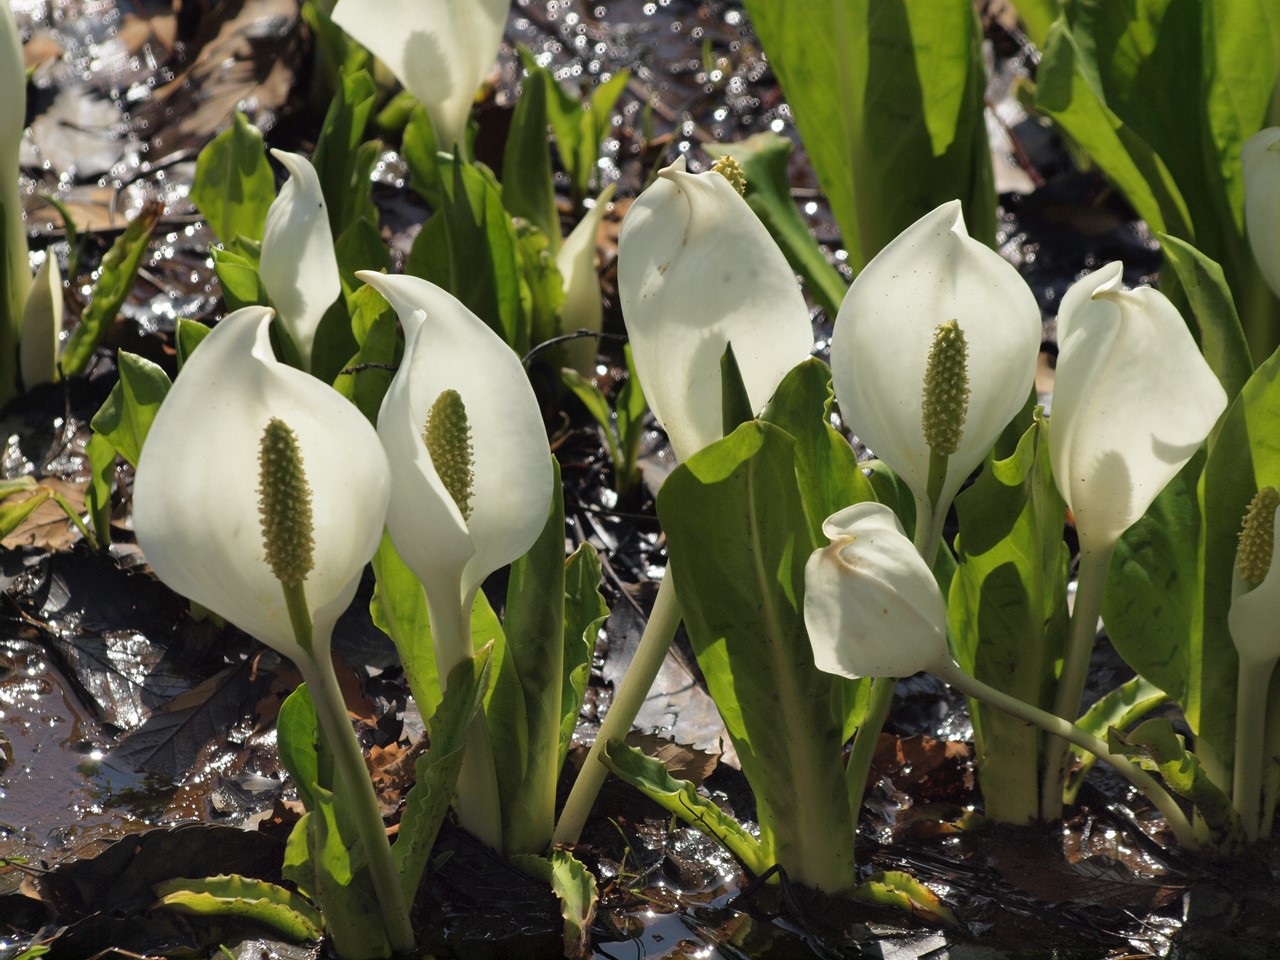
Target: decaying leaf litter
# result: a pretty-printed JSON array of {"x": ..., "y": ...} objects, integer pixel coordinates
[{"x": 123, "y": 712}]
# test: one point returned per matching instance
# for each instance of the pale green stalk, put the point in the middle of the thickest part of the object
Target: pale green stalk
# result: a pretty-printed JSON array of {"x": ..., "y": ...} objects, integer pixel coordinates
[
  {"x": 1070, "y": 733},
  {"x": 478, "y": 804},
  {"x": 15, "y": 269},
  {"x": 858, "y": 768},
  {"x": 353, "y": 775},
  {"x": 1252, "y": 685},
  {"x": 627, "y": 700},
  {"x": 1090, "y": 585}
]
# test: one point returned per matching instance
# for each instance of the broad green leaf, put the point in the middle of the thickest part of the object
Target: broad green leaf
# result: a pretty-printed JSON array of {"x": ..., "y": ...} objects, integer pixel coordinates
[
  {"x": 188, "y": 336},
  {"x": 584, "y": 612},
  {"x": 343, "y": 173},
  {"x": 764, "y": 159},
  {"x": 423, "y": 157},
  {"x": 1245, "y": 456},
  {"x": 1037, "y": 16},
  {"x": 574, "y": 887},
  {"x": 524, "y": 709},
  {"x": 595, "y": 123},
  {"x": 1068, "y": 90},
  {"x": 243, "y": 899},
  {"x": 234, "y": 185},
  {"x": 738, "y": 539},
  {"x": 1007, "y": 614},
  {"x": 17, "y": 485},
  {"x": 126, "y": 415},
  {"x": 735, "y": 405},
  {"x": 437, "y": 771},
  {"x": 1221, "y": 337},
  {"x": 238, "y": 274},
  {"x": 888, "y": 99},
  {"x": 399, "y": 609},
  {"x": 1120, "y": 707},
  {"x": 359, "y": 247},
  {"x": 528, "y": 189},
  {"x": 680, "y": 797},
  {"x": 541, "y": 286},
  {"x": 1156, "y": 747},
  {"x": 563, "y": 110},
  {"x": 903, "y": 892},
  {"x": 375, "y": 326},
  {"x": 119, "y": 268},
  {"x": 1152, "y": 602}
]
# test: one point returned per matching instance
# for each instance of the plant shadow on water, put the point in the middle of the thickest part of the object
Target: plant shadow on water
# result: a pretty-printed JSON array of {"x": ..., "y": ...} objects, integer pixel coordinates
[{"x": 120, "y": 712}]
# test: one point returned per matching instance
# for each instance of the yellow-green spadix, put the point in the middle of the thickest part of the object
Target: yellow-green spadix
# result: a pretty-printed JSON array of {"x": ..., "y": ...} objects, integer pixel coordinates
[{"x": 198, "y": 488}]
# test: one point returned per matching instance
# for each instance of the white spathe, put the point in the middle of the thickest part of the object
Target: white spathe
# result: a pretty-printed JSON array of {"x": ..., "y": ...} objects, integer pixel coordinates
[
  {"x": 298, "y": 267},
  {"x": 195, "y": 495},
  {"x": 447, "y": 347},
  {"x": 1133, "y": 399},
  {"x": 698, "y": 270},
  {"x": 582, "y": 308},
  {"x": 1260, "y": 158},
  {"x": 440, "y": 50},
  {"x": 871, "y": 605},
  {"x": 931, "y": 273}
]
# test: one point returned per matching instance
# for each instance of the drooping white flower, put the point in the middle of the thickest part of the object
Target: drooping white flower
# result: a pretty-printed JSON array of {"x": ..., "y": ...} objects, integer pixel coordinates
[
  {"x": 1133, "y": 399},
  {"x": 931, "y": 274},
  {"x": 198, "y": 485},
  {"x": 1260, "y": 158},
  {"x": 698, "y": 270},
  {"x": 871, "y": 605},
  {"x": 439, "y": 49},
  {"x": 299, "y": 268}
]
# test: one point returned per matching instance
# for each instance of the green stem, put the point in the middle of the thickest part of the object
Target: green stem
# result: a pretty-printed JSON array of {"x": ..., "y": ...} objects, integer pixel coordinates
[
  {"x": 353, "y": 776},
  {"x": 864, "y": 743},
  {"x": 635, "y": 686},
  {"x": 1252, "y": 684},
  {"x": 477, "y": 801},
  {"x": 1068, "y": 732},
  {"x": 1075, "y": 669}
]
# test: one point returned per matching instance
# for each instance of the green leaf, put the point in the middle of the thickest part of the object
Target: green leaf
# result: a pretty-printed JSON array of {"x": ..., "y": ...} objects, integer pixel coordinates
[
  {"x": 735, "y": 405},
  {"x": 399, "y": 609},
  {"x": 594, "y": 125},
  {"x": 12, "y": 515},
  {"x": 1120, "y": 707},
  {"x": 234, "y": 185},
  {"x": 1221, "y": 336},
  {"x": 903, "y": 892},
  {"x": 376, "y": 328},
  {"x": 888, "y": 99},
  {"x": 738, "y": 539},
  {"x": 524, "y": 709},
  {"x": 680, "y": 797},
  {"x": 126, "y": 415},
  {"x": 584, "y": 613},
  {"x": 238, "y": 274},
  {"x": 541, "y": 285},
  {"x": 528, "y": 189},
  {"x": 437, "y": 771},
  {"x": 119, "y": 268},
  {"x": 574, "y": 887},
  {"x": 188, "y": 336},
  {"x": 360, "y": 247},
  {"x": 564, "y": 112},
  {"x": 243, "y": 899},
  {"x": 338, "y": 162},
  {"x": 469, "y": 248},
  {"x": 764, "y": 158},
  {"x": 17, "y": 485},
  {"x": 1156, "y": 747},
  {"x": 101, "y": 454},
  {"x": 594, "y": 400},
  {"x": 1007, "y": 614},
  {"x": 423, "y": 157}
]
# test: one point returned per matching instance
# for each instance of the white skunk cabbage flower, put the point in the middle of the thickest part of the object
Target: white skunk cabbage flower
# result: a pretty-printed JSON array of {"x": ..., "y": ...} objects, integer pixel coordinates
[
  {"x": 1260, "y": 157},
  {"x": 299, "y": 268},
  {"x": 202, "y": 489},
  {"x": 1254, "y": 617},
  {"x": 471, "y": 469},
  {"x": 1133, "y": 399},
  {"x": 42, "y": 326},
  {"x": 871, "y": 605},
  {"x": 931, "y": 274},
  {"x": 440, "y": 50},
  {"x": 697, "y": 270}
]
